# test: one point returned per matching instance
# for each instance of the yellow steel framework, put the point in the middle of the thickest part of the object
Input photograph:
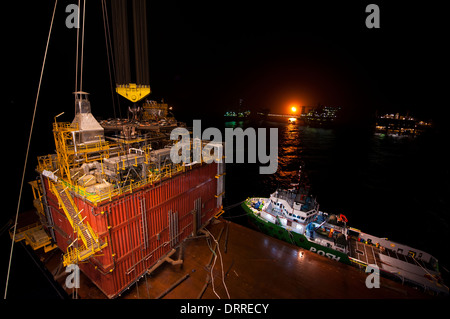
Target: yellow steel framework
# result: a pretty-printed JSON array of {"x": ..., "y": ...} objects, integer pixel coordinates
[
  {"x": 91, "y": 244},
  {"x": 70, "y": 154},
  {"x": 62, "y": 133},
  {"x": 133, "y": 92}
]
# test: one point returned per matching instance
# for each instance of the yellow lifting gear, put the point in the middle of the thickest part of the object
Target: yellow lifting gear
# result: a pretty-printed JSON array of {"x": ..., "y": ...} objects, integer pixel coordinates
[{"x": 133, "y": 92}]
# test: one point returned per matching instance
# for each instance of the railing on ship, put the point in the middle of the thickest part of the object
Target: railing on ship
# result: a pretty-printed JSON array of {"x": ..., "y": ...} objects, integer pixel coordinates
[
  {"x": 46, "y": 163},
  {"x": 65, "y": 126}
]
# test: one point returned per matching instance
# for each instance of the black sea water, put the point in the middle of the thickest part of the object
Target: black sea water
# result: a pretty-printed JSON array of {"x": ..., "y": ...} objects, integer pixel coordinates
[{"x": 389, "y": 187}]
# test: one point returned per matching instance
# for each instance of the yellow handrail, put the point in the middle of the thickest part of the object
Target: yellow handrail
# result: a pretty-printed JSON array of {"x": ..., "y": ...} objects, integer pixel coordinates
[
  {"x": 75, "y": 253},
  {"x": 166, "y": 171}
]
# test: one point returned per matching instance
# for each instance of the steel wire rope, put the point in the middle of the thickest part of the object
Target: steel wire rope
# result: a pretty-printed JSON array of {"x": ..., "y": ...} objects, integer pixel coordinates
[
  {"x": 140, "y": 41},
  {"x": 212, "y": 267},
  {"x": 28, "y": 150},
  {"x": 82, "y": 46},
  {"x": 231, "y": 207},
  {"x": 121, "y": 41},
  {"x": 76, "y": 57},
  {"x": 111, "y": 49},
  {"x": 221, "y": 263},
  {"x": 108, "y": 55}
]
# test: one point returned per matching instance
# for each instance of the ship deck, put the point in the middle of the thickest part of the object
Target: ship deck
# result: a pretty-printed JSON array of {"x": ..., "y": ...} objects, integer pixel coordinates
[
  {"x": 252, "y": 263},
  {"x": 368, "y": 254}
]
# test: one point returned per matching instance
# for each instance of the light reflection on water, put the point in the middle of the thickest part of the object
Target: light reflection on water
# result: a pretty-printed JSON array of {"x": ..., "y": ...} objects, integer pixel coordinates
[{"x": 395, "y": 188}]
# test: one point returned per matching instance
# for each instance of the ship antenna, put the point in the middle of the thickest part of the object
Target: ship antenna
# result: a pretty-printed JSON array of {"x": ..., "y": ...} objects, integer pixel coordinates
[{"x": 28, "y": 149}]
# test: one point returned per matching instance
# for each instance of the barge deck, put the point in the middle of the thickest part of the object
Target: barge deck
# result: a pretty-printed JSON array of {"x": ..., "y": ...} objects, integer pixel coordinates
[{"x": 255, "y": 266}]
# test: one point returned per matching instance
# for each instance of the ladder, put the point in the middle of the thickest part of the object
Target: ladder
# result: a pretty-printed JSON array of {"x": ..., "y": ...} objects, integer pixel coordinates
[{"x": 91, "y": 244}]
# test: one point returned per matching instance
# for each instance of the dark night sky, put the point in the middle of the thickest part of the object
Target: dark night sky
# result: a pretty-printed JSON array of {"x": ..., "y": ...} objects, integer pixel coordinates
[{"x": 206, "y": 55}]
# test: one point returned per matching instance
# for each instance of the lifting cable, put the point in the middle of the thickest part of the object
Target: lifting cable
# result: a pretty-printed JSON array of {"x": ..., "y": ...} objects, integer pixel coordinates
[
  {"x": 121, "y": 44},
  {"x": 140, "y": 41},
  {"x": 76, "y": 55},
  {"x": 110, "y": 58},
  {"x": 120, "y": 38},
  {"x": 82, "y": 45},
  {"x": 82, "y": 50},
  {"x": 28, "y": 149}
]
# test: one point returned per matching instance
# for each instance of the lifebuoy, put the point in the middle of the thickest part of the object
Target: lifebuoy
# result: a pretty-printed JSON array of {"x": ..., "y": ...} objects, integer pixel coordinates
[{"x": 343, "y": 218}]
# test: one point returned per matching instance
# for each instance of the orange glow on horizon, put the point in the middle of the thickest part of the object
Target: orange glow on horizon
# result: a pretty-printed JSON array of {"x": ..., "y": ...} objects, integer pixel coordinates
[{"x": 294, "y": 109}]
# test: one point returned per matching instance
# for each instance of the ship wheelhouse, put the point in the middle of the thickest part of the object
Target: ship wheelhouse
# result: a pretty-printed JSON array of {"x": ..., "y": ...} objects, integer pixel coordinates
[{"x": 294, "y": 206}]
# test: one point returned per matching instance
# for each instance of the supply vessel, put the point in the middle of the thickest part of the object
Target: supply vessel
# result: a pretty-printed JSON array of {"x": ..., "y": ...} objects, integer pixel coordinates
[{"x": 293, "y": 215}]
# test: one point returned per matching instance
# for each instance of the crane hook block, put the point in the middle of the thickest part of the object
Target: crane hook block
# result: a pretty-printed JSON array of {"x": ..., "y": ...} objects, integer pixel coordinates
[{"x": 132, "y": 91}]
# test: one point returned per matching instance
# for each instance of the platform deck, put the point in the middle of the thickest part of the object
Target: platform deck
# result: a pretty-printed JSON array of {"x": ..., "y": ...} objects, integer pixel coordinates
[{"x": 254, "y": 266}]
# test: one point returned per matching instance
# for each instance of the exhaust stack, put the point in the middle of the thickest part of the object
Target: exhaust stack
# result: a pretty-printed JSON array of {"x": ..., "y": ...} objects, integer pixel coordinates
[{"x": 89, "y": 129}]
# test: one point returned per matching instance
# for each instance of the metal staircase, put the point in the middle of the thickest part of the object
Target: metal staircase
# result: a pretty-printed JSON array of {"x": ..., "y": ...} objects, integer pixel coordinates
[{"x": 91, "y": 244}]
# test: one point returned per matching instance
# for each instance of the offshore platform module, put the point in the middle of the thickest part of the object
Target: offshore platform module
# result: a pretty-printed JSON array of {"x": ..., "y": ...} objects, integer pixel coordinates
[
  {"x": 117, "y": 207},
  {"x": 110, "y": 198}
]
